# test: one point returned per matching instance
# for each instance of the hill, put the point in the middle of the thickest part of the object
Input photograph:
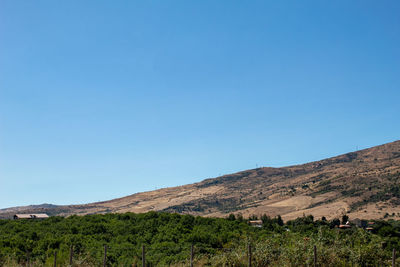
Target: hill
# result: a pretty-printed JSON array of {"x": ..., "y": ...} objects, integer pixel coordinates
[
  {"x": 362, "y": 184},
  {"x": 80, "y": 240}
]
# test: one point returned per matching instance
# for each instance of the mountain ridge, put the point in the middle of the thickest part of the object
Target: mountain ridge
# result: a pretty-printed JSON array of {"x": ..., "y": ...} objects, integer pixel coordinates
[{"x": 362, "y": 184}]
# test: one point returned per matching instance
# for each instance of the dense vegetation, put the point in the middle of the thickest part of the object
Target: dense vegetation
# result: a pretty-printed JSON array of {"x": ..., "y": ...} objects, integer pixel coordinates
[{"x": 217, "y": 241}]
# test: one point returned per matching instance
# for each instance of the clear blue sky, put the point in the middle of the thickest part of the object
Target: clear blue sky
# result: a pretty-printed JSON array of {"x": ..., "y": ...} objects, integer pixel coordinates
[{"x": 101, "y": 99}]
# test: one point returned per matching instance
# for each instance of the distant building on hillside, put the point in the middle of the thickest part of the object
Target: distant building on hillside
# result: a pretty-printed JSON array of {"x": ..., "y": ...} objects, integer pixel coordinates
[
  {"x": 370, "y": 228},
  {"x": 359, "y": 223},
  {"x": 256, "y": 223},
  {"x": 31, "y": 216},
  {"x": 345, "y": 226}
]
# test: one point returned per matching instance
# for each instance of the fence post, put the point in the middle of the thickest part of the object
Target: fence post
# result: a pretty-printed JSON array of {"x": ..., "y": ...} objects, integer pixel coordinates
[
  {"x": 394, "y": 258},
  {"x": 249, "y": 252},
  {"x": 55, "y": 259},
  {"x": 315, "y": 256},
  {"x": 28, "y": 256},
  {"x": 143, "y": 256},
  {"x": 71, "y": 253},
  {"x": 191, "y": 255},
  {"x": 105, "y": 256}
]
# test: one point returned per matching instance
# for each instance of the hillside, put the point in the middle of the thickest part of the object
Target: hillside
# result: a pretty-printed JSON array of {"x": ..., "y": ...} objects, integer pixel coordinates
[{"x": 363, "y": 184}]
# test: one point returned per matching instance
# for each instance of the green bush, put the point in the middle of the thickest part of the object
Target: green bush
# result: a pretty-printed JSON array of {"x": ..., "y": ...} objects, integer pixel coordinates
[{"x": 218, "y": 242}]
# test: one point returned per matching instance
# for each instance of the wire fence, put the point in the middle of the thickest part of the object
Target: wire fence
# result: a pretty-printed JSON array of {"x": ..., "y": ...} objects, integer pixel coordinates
[{"x": 193, "y": 254}]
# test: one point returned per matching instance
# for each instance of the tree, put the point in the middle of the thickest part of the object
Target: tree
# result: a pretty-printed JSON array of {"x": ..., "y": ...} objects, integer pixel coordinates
[
  {"x": 345, "y": 219},
  {"x": 334, "y": 222},
  {"x": 279, "y": 220}
]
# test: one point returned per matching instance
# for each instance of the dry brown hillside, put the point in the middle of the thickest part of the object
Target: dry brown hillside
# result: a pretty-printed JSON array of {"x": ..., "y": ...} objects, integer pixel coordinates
[{"x": 363, "y": 184}]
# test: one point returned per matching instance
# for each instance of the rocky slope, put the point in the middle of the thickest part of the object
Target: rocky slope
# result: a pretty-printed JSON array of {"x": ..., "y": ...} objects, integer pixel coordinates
[{"x": 362, "y": 184}]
